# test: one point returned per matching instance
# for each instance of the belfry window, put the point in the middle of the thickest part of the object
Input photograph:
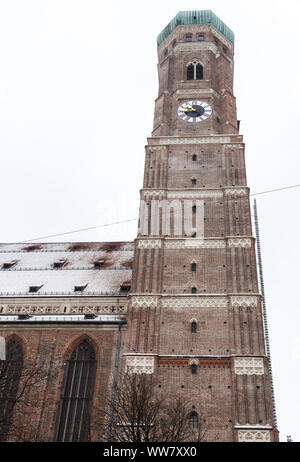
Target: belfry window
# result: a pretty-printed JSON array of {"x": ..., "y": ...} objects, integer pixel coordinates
[
  {"x": 194, "y": 70},
  {"x": 10, "y": 374},
  {"x": 193, "y": 266},
  {"x": 194, "y": 157},
  {"x": 193, "y": 420},
  {"x": 77, "y": 394}
]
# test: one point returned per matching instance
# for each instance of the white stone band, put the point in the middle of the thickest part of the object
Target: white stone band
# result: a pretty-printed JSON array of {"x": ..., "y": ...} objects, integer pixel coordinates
[
  {"x": 140, "y": 364},
  {"x": 249, "y": 366}
]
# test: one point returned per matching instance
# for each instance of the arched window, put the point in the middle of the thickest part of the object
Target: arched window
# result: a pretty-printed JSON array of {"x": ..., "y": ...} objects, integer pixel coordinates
[
  {"x": 10, "y": 373},
  {"x": 194, "y": 368},
  {"x": 194, "y": 70},
  {"x": 194, "y": 290},
  {"x": 194, "y": 181},
  {"x": 193, "y": 327},
  {"x": 77, "y": 394},
  {"x": 193, "y": 420},
  {"x": 194, "y": 209},
  {"x": 193, "y": 266},
  {"x": 194, "y": 157}
]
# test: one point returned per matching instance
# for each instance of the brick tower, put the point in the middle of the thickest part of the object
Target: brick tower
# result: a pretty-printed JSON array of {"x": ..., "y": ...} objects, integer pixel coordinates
[{"x": 195, "y": 318}]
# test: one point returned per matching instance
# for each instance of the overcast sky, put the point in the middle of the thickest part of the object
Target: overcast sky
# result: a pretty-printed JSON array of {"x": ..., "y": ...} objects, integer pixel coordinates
[{"x": 77, "y": 87}]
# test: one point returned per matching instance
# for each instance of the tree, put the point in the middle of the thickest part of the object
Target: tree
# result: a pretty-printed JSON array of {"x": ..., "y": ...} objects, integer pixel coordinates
[
  {"x": 20, "y": 384},
  {"x": 139, "y": 413}
]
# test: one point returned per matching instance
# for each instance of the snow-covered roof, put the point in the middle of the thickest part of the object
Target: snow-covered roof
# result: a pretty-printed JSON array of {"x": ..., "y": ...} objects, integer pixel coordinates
[{"x": 93, "y": 268}]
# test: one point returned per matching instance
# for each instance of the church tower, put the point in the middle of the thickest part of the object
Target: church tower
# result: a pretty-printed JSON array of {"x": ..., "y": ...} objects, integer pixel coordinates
[{"x": 195, "y": 319}]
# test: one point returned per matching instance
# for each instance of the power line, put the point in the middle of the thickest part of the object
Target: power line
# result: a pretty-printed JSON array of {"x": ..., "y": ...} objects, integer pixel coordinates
[
  {"x": 76, "y": 231},
  {"x": 135, "y": 219},
  {"x": 274, "y": 190}
]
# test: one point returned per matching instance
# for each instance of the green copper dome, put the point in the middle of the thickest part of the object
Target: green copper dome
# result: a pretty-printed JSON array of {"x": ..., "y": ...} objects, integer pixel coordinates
[{"x": 195, "y": 17}]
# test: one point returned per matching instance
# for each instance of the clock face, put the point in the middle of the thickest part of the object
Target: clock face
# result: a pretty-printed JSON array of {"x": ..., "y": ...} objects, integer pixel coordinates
[{"x": 194, "y": 111}]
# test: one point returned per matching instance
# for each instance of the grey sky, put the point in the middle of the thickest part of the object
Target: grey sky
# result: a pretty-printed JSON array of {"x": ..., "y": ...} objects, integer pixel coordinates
[{"x": 77, "y": 87}]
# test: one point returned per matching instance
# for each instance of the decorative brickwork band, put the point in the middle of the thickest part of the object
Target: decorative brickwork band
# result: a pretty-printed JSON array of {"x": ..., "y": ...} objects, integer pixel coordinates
[
  {"x": 249, "y": 366},
  {"x": 140, "y": 301},
  {"x": 149, "y": 243},
  {"x": 140, "y": 364},
  {"x": 194, "y": 194},
  {"x": 181, "y": 140},
  {"x": 239, "y": 243},
  {"x": 236, "y": 192},
  {"x": 194, "y": 301},
  {"x": 254, "y": 436},
  {"x": 195, "y": 243},
  {"x": 152, "y": 193},
  {"x": 245, "y": 301}
]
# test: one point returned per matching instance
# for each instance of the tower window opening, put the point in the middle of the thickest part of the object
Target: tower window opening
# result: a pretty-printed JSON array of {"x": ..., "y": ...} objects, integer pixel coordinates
[
  {"x": 194, "y": 70},
  {"x": 194, "y": 368},
  {"x": 193, "y": 327},
  {"x": 174, "y": 43},
  {"x": 193, "y": 266},
  {"x": 200, "y": 37},
  {"x": 193, "y": 420},
  {"x": 166, "y": 52},
  {"x": 194, "y": 181},
  {"x": 188, "y": 38},
  {"x": 194, "y": 157},
  {"x": 194, "y": 209},
  {"x": 194, "y": 290}
]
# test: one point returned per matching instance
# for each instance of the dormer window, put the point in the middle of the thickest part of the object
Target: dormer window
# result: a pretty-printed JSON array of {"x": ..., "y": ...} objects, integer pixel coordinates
[
  {"x": 34, "y": 289},
  {"x": 188, "y": 38},
  {"x": 200, "y": 37},
  {"x": 75, "y": 247},
  {"x": 59, "y": 263},
  {"x": 9, "y": 265},
  {"x": 80, "y": 288},
  {"x": 125, "y": 287},
  {"x": 31, "y": 248},
  {"x": 98, "y": 263}
]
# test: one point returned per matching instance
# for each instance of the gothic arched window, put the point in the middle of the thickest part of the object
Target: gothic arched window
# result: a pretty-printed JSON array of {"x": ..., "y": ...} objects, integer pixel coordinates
[
  {"x": 193, "y": 420},
  {"x": 194, "y": 70},
  {"x": 10, "y": 373},
  {"x": 193, "y": 266},
  {"x": 77, "y": 394},
  {"x": 193, "y": 327}
]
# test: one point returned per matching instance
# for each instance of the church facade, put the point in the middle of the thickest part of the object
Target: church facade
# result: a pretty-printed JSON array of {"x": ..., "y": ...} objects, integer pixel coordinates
[{"x": 182, "y": 301}]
